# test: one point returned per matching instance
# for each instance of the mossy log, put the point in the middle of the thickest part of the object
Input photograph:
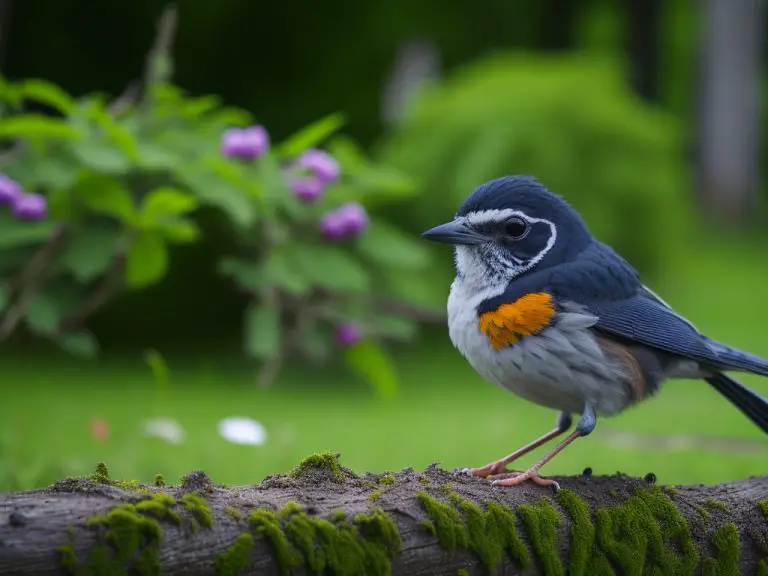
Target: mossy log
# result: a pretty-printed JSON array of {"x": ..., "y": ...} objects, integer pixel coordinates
[{"x": 322, "y": 518}]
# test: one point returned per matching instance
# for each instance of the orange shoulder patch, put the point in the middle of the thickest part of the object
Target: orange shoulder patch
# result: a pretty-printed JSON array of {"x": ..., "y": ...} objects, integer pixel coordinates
[{"x": 509, "y": 323}]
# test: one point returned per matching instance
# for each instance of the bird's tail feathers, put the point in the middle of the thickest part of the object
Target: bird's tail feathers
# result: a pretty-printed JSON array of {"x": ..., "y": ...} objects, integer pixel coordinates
[
  {"x": 754, "y": 406},
  {"x": 733, "y": 359}
]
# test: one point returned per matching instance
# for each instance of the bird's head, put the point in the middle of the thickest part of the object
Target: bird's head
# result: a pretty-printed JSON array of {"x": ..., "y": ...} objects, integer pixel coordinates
[{"x": 510, "y": 226}]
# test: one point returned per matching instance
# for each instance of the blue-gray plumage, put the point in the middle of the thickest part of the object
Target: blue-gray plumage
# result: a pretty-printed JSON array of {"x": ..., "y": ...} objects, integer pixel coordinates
[{"x": 542, "y": 308}]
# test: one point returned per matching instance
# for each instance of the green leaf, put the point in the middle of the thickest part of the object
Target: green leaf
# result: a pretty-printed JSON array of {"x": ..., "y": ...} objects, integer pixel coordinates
[
  {"x": 371, "y": 362},
  {"x": 263, "y": 332},
  {"x": 147, "y": 260},
  {"x": 215, "y": 191},
  {"x": 43, "y": 315},
  {"x": 99, "y": 156},
  {"x": 90, "y": 251},
  {"x": 250, "y": 275},
  {"x": 37, "y": 126},
  {"x": 47, "y": 93},
  {"x": 107, "y": 195},
  {"x": 166, "y": 201},
  {"x": 311, "y": 136},
  {"x": 15, "y": 233},
  {"x": 81, "y": 344},
  {"x": 330, "y": 267},
  {"x": 280, "y": 271},
  {"x": 159, "y": 367},
  {"x": 115, "y": 133},
  {"x": 387, "y": 245},
  {"x": 180, "y": 231},
  {"x": 348, "y": 153},
  {"x": 154, "y": 157}
]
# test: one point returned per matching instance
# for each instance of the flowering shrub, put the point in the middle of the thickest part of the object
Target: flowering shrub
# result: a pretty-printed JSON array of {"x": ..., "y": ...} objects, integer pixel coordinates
[{"x": 92, "y": 196}]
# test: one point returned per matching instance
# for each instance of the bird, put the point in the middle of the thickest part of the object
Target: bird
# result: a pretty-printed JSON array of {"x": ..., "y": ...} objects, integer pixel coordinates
[{"x": 542, "y": 308}]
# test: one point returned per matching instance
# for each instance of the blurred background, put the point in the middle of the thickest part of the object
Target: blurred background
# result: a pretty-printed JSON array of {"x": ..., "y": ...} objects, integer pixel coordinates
[{"x": 647, "y": 116}]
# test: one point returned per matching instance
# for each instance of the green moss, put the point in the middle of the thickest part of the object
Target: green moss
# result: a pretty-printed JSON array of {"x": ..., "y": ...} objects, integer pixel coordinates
[
  {"x": 489, "y": 533},
  {"x": 338, "y": 515},
  {"x": 159, "y": 480},
  {"x": 236, "y": 558},
  {"x": 381, "y": 540},
  {"x": 703, "y": 512},
  {"x": 132, "y": 485},
  {"x": 446, "y": 488},
  {"x": 375, "y": 495},
  {"x": 671, "y": 490},
  {"x": 233, "y": 513},
  {"x": 68, "y": 558},
  {"x": 462, "y": 572},
  {"x": 613, "y": 492},
  {"x": 199, "y": 508},
  {"x": 126, "y": 538},
  {"x": 387, "y": 480},
  {"x": 493, "y": 532},
  {"x": 423, "y": 480},
  {"x": 322, "y": 460},
  {"x": 642, "y": 536},
  {"x": 582, "y": 532},
  {"x": 541, "y": 522},
  {"x": 762, "y": 568},
  {"x": 267, "y": 524},
  {"x": 726, "y": 545},
  {"x": 715, "y": 504},
  {"x": 100, "y": 474},
  {"x": 160, "y": 506},
  {"x": 429, "y": 526},
  {"x": 762, "y": 505},
  {"x": 451, "y": 531},
  {"x": 366, "y": 546}
]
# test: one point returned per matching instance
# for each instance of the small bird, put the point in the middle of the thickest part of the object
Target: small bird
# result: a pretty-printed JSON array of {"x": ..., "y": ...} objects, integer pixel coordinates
[{"x": 543, "y": 309}]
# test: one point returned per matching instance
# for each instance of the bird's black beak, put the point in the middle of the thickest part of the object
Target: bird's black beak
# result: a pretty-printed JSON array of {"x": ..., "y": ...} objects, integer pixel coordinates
[{"x": 456, "y": 232}]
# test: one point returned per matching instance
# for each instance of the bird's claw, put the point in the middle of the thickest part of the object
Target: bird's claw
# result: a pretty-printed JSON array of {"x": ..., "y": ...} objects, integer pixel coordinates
[
  {"x": 492, "y": 469},
  {"x": 517, "y": 478}
]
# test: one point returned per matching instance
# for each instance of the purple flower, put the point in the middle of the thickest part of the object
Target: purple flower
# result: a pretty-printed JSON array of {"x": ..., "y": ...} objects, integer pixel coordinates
[
  {"x": 307, "y": 189},
  {"x": 325, "y": 168},
  {"x": 350, "y": 219},
  {"x": 30, "y": 207},
  {"x": 348, "y": 334},
  {"x": 355, "y": 218},
  {"x": 10, "y": 191},
  {"x": 332, "y": 226},
  {"x": 247, "y": 143}
]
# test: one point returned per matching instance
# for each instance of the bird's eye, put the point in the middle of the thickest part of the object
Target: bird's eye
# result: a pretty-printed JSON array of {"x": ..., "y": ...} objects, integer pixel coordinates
[{"x": 516, "y": 228}]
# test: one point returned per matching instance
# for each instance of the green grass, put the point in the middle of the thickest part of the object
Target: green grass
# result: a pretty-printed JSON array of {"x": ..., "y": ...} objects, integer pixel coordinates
[{"x": 444, "y": 412}]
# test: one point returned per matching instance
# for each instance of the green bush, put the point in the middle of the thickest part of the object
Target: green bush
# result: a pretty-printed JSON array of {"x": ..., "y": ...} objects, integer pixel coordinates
[
  {"x": 571, "y": 121},
  {"x": 112, "y": 185}
]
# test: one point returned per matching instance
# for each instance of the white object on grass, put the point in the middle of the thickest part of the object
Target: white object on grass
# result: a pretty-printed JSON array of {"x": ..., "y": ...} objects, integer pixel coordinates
[
  {"x": 243, "y": 430},
  {"x": 166, "y": 429}
]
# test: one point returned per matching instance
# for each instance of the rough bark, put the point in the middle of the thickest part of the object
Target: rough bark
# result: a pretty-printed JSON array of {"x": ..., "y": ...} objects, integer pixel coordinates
[{"x": 728, "y": 524}]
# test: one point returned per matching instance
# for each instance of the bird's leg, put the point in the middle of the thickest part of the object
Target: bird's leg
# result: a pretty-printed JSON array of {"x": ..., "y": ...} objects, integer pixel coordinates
[
  {"x": 500, "y": 466},
  {"x": 586, "y": 425}
]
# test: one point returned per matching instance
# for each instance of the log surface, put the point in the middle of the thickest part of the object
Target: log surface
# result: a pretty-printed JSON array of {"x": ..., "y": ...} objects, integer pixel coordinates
[{"x": 35, "y": 525}]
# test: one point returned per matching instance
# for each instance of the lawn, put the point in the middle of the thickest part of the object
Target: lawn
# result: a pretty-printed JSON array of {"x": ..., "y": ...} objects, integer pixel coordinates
[{"x": 444, "y": 412}]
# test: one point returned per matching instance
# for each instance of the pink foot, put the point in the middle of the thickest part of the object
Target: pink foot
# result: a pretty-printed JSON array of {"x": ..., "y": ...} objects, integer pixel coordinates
[
  {"x": 492, "y": 469},
  {"x": 517, "y": 478}
]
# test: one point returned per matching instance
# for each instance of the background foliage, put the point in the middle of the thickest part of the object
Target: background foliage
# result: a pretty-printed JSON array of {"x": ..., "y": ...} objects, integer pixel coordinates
[{"x": 161, "y": 252}]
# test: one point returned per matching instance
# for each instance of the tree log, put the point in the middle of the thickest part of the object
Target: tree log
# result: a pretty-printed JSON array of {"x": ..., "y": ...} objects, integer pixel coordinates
[{"x": 323, "y": 518}]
